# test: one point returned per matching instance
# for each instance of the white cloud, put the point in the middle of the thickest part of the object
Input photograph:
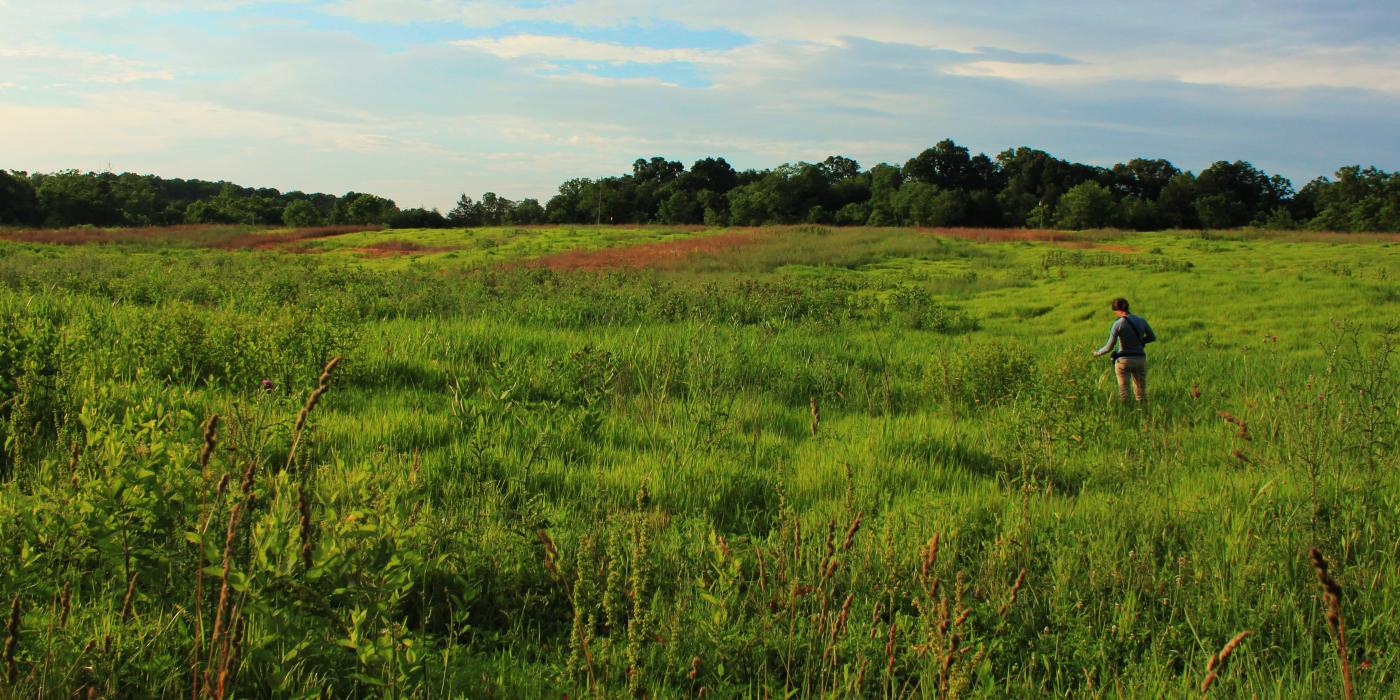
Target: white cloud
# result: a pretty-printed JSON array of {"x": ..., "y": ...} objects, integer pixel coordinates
[
  {"x": 1302, "y": 68},
  {"x": 563, "y": 48},
  {"x": 327, "y": 107},
  {"x": 396, "y": 11},
  {"x": 77, "y": 65}
]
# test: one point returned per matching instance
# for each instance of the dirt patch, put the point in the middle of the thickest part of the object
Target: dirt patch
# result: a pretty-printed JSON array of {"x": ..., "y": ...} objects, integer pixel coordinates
[{"x": 657, "y": 254}]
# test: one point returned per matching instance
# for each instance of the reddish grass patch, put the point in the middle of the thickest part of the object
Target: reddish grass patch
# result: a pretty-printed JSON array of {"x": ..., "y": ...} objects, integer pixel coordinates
[
  {"x": 266, "y": 240},
  {"x": 656, "y": 254},
  {"x": 221, "y": 236},
  {"x": 384, "y": 249},
  {"x": 88, "y": 235},
  {"x": 1006, "y": 235}
]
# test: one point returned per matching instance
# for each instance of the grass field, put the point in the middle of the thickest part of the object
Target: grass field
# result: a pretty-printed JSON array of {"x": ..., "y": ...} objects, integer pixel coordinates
[{"x": 789, "y": 462}]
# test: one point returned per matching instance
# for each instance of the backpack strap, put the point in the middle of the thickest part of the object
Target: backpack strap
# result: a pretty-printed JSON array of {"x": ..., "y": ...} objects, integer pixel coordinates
[{"x": 1128, "y": 321}]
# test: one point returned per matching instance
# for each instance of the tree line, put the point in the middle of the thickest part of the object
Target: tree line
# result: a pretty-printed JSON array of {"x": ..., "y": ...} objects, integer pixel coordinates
[{"x": 945, "y": 185}]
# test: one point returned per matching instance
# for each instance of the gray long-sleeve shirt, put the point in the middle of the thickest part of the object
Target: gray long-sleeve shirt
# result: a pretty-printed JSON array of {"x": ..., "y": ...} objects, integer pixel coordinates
[{"x": 1131, "y": 339}]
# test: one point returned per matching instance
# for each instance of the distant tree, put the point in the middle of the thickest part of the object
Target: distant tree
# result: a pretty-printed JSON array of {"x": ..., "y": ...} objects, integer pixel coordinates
[
  {"x": 1140, "y": 214},
  {"x": 1041, "y": 215},
  {"x": 853, "y": 214},
  {"x": 18, "y": 202},
  {"x": 465, "y": 214},
  {"x": 1086, "y": 205},
  {"x": 301, "y": 213},
  {"x": 369, "y": 209},
  {"x": 527, "y": 212},
  {"x": 749, "y": 205},
  {"x": 71, "y": 198},
  {"x": 1035, "y": 178},
  {"x": 949, "y": 165},
  {"x": 657, "y": 170},
  {"x": 1359, "y": 200},
  {"x": 713, "y": 174},
  {"x": 1221, "y": 211},
  {"x": 416, "y": 217},
  {"x": 1143, "y": 178},
  {"x": 788, "y": 194},
  {"x": 923, "y": 204},
  {"x": 495, "y": 210},
  {"x": 136, "y": 199},
  {"x": 681, "y": 207},
  {"x": 1280, "y": 219},
  {"x": 838, "y": 168},
  {"x": 1234, "y": 194},
  {"x": 205, "y": 212},
  {"x": 715, "y": 206},
  {"x": 885, "y": 181},
  {"x": 1176, "y": 203}
]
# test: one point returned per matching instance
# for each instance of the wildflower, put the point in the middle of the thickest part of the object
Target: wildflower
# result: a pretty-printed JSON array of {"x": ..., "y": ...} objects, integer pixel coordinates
[{"x": 267, "y": 385}]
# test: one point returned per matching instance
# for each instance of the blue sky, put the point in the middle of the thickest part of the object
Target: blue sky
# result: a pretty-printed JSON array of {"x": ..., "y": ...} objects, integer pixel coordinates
[{"x": 421, "y": 100}]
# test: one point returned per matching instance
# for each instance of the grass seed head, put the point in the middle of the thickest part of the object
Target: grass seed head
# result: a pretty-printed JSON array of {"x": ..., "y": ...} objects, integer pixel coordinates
[
  {"x": 1217, "y": 662},
  {"x": 12, "y": 642}
]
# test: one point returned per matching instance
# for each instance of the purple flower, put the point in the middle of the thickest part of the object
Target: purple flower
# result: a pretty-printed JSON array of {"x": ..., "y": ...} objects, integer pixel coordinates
[{"x": 267, "y": 385}]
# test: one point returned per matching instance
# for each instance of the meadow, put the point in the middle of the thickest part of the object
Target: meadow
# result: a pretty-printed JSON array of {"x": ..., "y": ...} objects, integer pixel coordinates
[{"x": 685, "y": 462}]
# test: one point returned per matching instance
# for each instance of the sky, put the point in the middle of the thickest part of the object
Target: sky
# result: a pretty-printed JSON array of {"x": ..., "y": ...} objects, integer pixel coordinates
[{"x": 422, "y": 100}]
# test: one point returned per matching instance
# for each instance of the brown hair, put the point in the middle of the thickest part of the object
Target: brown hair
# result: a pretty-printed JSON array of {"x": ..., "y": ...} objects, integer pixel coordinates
[{"x": 1120, "y": 304}]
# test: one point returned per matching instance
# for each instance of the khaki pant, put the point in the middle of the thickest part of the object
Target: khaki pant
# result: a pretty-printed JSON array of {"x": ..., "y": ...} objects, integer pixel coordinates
[{"x": 1134, "y": 368}]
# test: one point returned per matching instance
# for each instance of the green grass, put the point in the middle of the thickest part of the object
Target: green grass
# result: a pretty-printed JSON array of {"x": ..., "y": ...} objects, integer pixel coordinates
[{"x": 511, "y": 465}]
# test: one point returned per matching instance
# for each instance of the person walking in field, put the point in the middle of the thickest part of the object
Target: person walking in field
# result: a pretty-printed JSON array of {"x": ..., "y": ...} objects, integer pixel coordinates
[{"x": 1130, "y": 334}]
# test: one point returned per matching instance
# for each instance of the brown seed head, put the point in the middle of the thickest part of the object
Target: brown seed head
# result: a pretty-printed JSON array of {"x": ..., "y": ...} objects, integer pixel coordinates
[
  {"x": 1217, "y": 662},
  {"x": 851, "y": 532},
  {"x": 130, "y": 596},
  {"x": 12, "y": 641}
]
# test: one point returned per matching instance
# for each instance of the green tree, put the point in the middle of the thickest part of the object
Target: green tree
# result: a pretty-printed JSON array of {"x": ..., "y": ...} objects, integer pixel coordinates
[
  {"x": 1176, "y": 203},
  {"x": 923, "y": 204},
  {"x": 1143, "y": 178},
  {"x": 71, "y": 198},
  {"x": 466, "y": 214},
  {"x": 136, "y": 199},
  {"x": 1086, "y": 205},
  {"x": 301, "y": 213},
  {"x": 949, "y": 165},
  {"x": 681, "y": 207},
  {"x": 1221, "y": 211},
  {"x": 853, "y": 214},
  {"x": 1140, "y": 214},
  {"x": 1234, "y": 194},
  {"x": 417, "y": 217},
  {"x": 527, "y": 212},
  {"x": 18, "y": 202},
  {"x": 369, "y": 209},
  {"x": 495, "y": 209}
]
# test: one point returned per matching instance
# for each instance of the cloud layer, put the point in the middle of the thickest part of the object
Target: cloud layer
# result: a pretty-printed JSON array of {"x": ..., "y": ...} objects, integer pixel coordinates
[{"x": 424, "y": 99}]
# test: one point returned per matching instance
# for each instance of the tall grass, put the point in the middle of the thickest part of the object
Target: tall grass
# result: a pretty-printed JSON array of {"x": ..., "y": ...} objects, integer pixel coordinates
[{"x": 728, "y": 481}]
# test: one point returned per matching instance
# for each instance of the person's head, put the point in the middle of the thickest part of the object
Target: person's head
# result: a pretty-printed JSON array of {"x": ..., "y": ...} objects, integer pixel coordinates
[{"x": 1120, "y": 306}]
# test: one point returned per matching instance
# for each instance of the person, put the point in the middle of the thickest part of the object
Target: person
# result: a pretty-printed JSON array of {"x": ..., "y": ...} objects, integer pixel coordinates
[{"x": 1131, "y": 334}]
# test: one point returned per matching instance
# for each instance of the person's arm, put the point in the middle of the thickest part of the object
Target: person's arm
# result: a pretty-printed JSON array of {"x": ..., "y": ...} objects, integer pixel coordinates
[
  {"x": 1112, "y": 339},
  {"x": 1149, "y": 337}
]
